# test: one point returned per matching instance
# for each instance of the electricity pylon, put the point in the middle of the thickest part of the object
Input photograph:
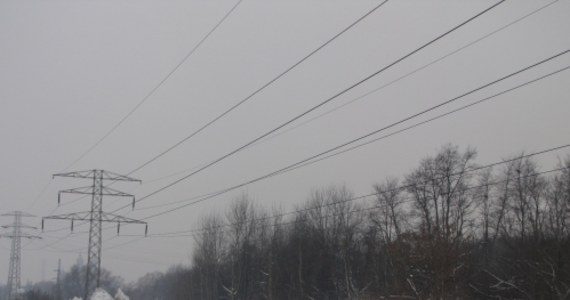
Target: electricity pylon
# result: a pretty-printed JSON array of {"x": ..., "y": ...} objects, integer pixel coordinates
[
  {"x": 14, "y": 287},
  {"x": 96, "y": 217},
  {"x": 57, "y": 289}
]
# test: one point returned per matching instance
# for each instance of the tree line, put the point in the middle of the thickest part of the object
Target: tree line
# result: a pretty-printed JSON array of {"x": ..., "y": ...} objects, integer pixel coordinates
[{"x": 448, "y": 229}]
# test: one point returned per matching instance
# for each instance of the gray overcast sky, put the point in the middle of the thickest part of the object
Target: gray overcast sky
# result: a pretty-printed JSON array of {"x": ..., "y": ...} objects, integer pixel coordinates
[{"x": 70, "y": 70}]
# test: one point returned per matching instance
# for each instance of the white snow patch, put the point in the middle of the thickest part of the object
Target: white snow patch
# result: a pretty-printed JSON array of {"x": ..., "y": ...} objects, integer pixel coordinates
[
  {"x": 101, "y": 294},
  {"x": 121, "y": 296}
]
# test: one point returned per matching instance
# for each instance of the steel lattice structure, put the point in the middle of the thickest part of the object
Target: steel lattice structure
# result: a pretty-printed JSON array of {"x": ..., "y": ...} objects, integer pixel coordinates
[
  {"x": 14, "y": 272},
  {"x": 96, "y": 217},
  {"x": 58, "y": 291}
]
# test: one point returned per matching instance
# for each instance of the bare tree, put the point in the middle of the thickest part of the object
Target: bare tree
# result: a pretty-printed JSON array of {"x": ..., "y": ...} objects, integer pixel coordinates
[
  {"x": 442, "y": 200},
  {"x": 558, "y": 202},
  {"x": 388, "y": 221},
  {"x": 208, "y": 256},
  {"x": 484, "y": 197},
  {"x": 525, "y": 194},
  {"x": 389, "y": 216},
  {"x": 241, "y": 218}
]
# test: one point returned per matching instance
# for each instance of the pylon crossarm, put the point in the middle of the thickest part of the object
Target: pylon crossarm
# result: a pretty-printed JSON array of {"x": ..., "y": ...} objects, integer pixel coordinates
[
  {"x": 107, "y": 217},
  {"x": 107, "y": 175},
  {"x": 78, "y": 174},
  {"x": 86, "y": 215},
  {"x": 21, "y": 226},
  {"x": 17, "y": 213},
  {"x": 22, "y": 236},
  {"x": 88, "y": 190}
]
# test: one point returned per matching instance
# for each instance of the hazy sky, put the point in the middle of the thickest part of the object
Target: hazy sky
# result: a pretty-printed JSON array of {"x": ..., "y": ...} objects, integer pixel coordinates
[{"x": 70, "y": 70}]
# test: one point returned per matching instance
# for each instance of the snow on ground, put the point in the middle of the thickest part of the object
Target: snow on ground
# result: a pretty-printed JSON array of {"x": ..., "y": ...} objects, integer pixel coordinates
[
  {"x": 101, "y": 294},
  {"x": 121, "y": 296}
]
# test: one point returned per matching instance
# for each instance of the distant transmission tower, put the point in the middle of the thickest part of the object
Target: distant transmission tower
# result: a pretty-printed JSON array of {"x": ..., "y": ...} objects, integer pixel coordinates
[
  {"x": 95, "y": 217},
  {"x": 14, "y": 287},
  {"x": 57, "y": 291}
]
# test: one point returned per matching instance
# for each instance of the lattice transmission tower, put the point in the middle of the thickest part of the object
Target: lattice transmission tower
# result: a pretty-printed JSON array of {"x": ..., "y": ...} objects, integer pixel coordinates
[
  {"x": 96, "y": 216},
  {"x": 14, "y": 286},
  {"x": 57, "y": 289}
]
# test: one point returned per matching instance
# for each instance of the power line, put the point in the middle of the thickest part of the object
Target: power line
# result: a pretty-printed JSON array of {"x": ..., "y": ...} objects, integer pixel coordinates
[
  {"x": 312, "y": 159},
  {"x": 415, "y": 70},
  {"x": 401, "y": 187},
  {"x": 58, "y": 240},
  {"x": 383, "y": 86},
  {"x": 42, "y": 192},
  {"x": 386, "y": 128},
  {"x": 284, "y": 170},
  {"x": 256, "y": 91},
  {"x": 270, "y": 82},
  {"x": 149, "y": 94},
  {"x": 440, "y": 116},
  {"x": 192, "y": 232},
  {"x": 322, "y": 103},
  {"x": 330, "y": 99}
]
